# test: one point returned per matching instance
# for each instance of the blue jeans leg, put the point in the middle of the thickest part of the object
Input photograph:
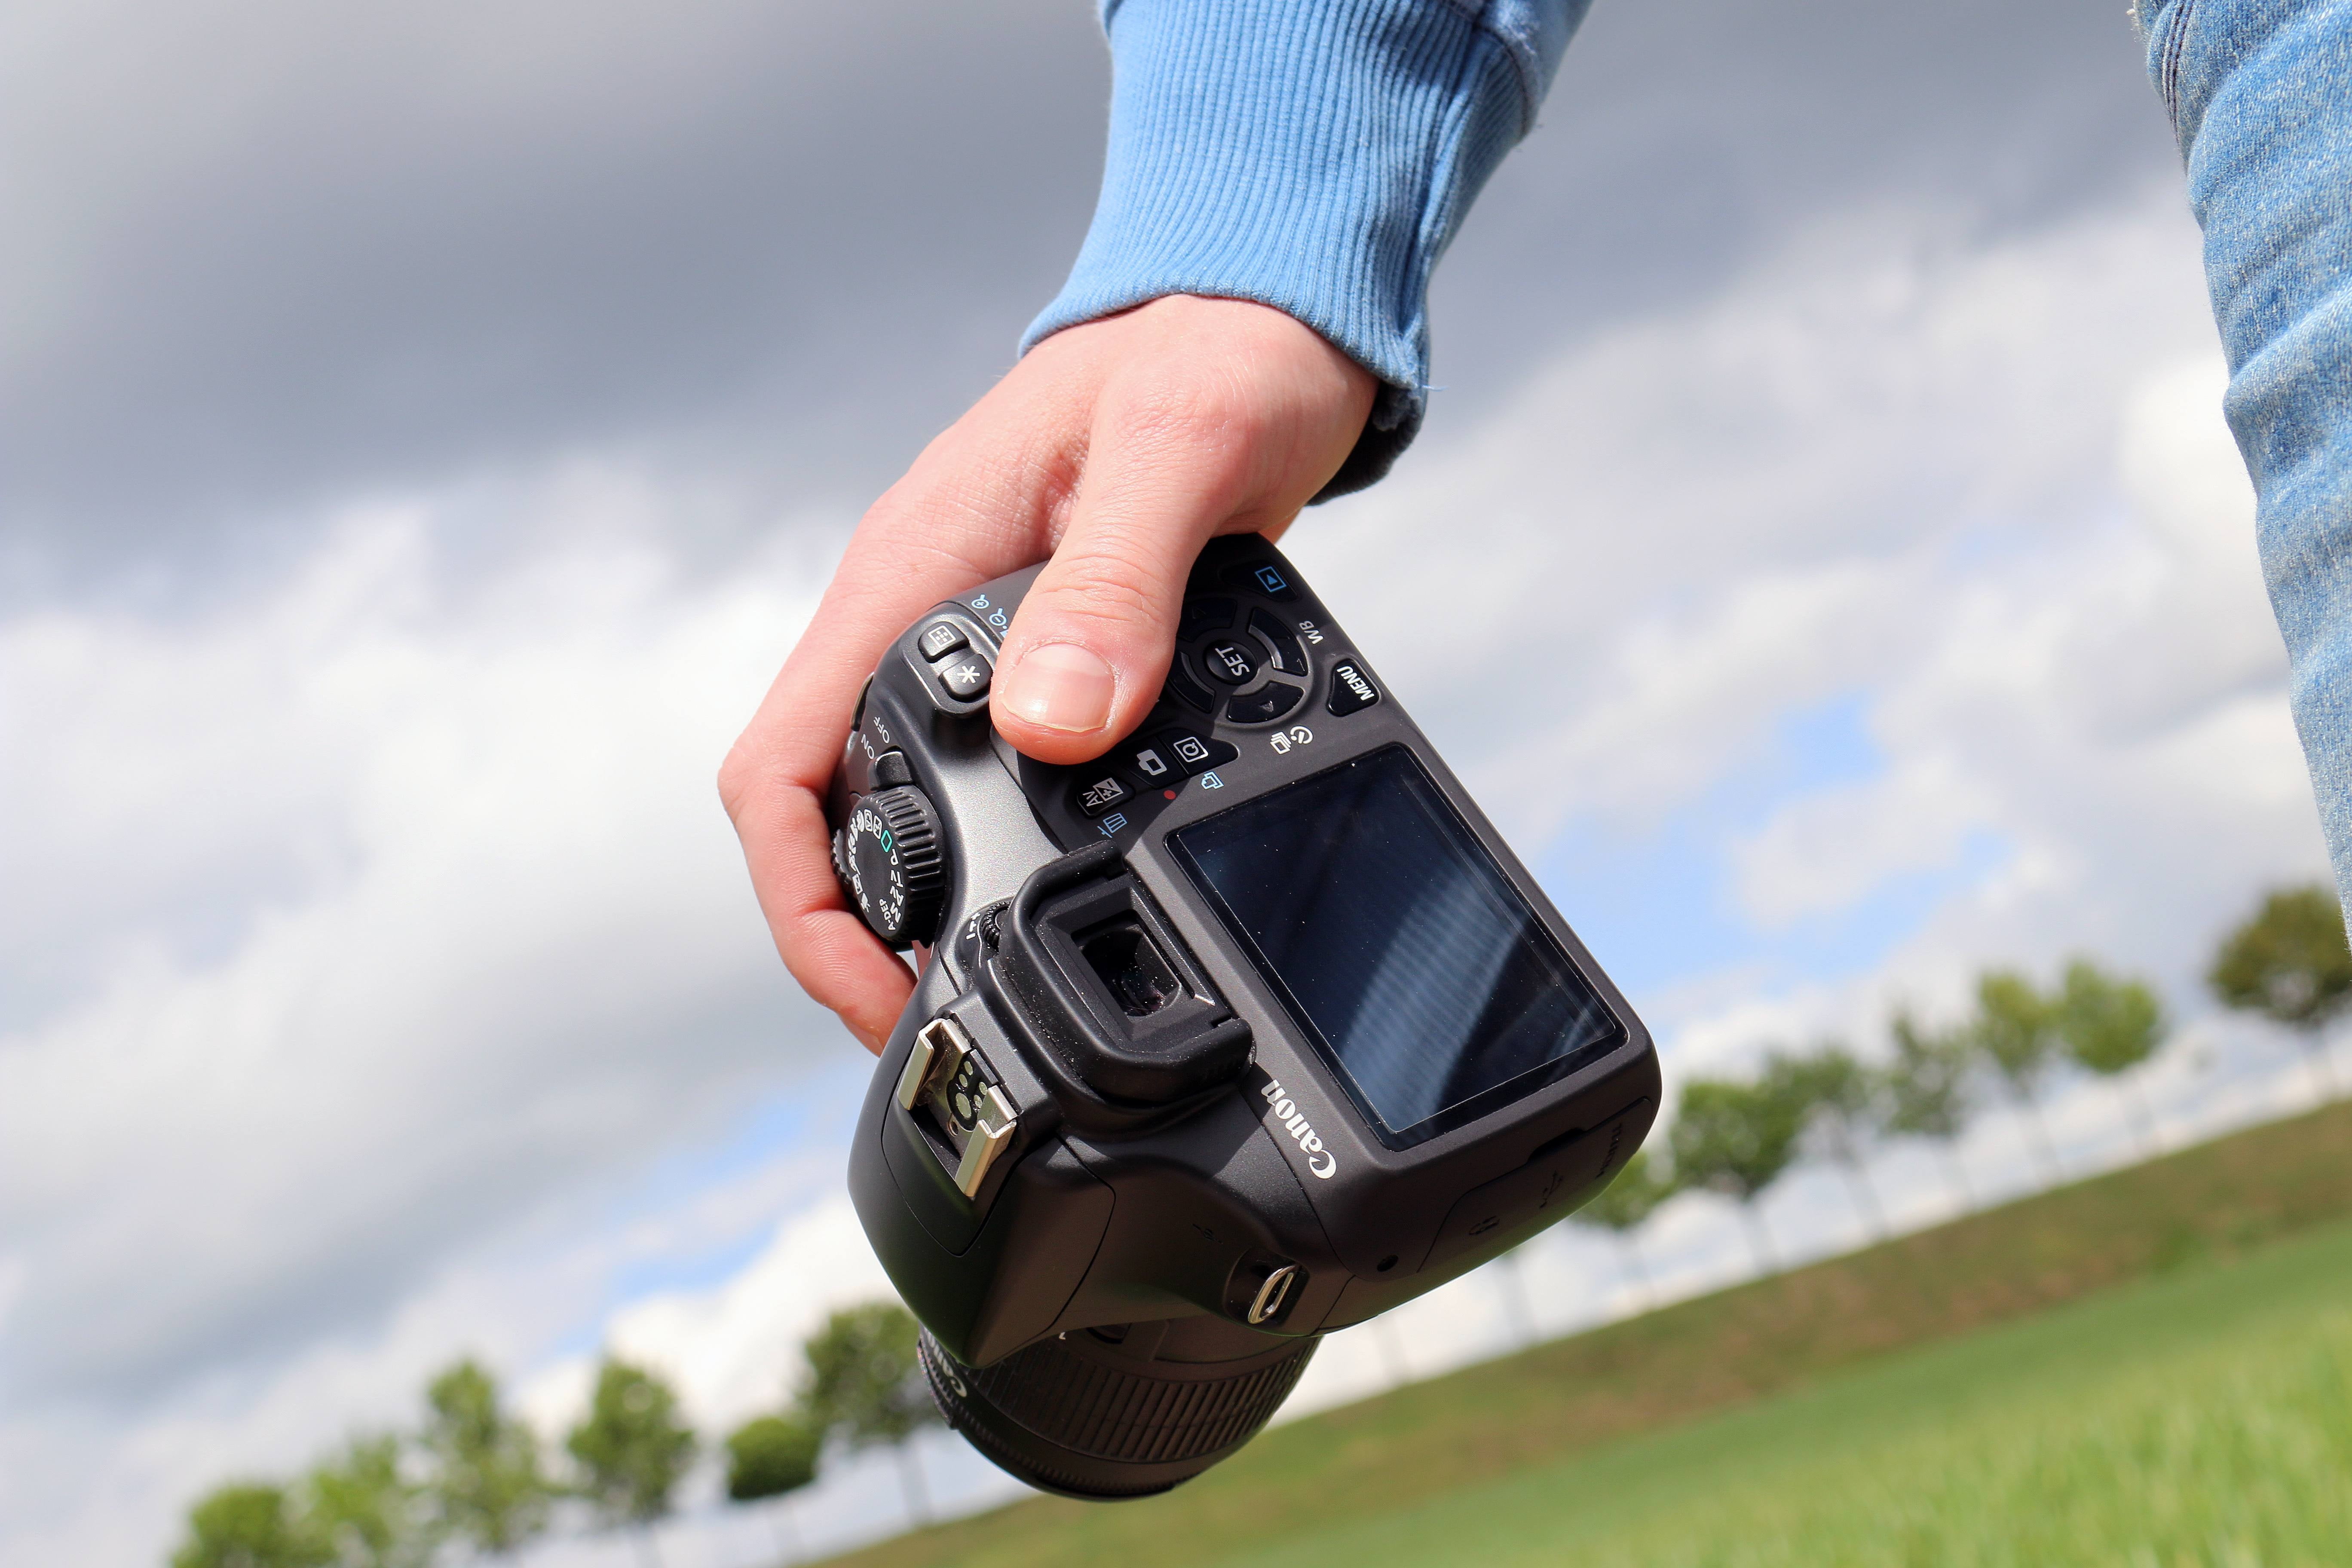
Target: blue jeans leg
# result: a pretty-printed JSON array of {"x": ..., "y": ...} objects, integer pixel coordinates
[{"x": 2259, "y": 92}]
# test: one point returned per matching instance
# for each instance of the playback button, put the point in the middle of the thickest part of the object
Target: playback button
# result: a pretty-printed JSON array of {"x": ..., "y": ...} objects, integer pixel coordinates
[{"x": 1352, "y": 690}]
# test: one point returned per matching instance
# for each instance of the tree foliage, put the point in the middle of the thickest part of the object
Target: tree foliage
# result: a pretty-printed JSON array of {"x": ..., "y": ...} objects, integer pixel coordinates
[
  {"x": 1629, "y": 1200},
  {"x": 1835, "y": 1099},
  {"x": 366, "y": 1512},
  {"x": 771, "y": 1455},
  {"x": 864, "y": 1380},
  {"x": 1927, "y": 1083},
  {"x": 2107, "y": 1024},
  {"x": 631, "y": 1446},
  {"x": 249, "y": 1524},
  {"x": 2015, "y": 1029},
  {"x": 1734, "y": 1138},
  {"x": 2289, "y": 961},
  {"x": 485, "y": 1484}
]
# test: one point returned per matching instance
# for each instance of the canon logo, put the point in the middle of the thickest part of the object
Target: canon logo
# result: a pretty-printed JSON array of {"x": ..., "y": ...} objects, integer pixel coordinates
[{"x": 1293, "y": 1120}]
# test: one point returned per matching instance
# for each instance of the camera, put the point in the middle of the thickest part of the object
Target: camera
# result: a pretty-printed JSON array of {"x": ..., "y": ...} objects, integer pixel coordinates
[{"x": 1249, "y": 1030}]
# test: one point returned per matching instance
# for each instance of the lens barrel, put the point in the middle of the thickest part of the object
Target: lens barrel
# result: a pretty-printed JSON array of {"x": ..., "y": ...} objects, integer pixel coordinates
[{"x": 1082, "y": 1416}]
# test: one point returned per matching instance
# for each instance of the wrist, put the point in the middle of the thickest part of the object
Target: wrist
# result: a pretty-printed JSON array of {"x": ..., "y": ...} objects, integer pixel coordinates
[{"x": 1311, "y": 156}]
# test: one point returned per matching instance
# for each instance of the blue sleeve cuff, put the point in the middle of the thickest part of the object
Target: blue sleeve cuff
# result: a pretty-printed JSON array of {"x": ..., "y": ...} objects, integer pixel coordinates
[{"x": 1313, "y": 155}]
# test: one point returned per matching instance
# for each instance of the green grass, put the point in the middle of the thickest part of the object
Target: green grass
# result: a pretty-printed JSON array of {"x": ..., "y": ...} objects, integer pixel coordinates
[
  {"x": 2204, "y": 1419},
  {"x": 1920, "y": 1402}
]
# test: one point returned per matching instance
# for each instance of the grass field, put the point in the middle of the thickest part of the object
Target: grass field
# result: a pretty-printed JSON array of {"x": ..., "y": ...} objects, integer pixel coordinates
[
  {"x": 2205, "y": 1419},
  {"x": 2154, "y": 1367}
]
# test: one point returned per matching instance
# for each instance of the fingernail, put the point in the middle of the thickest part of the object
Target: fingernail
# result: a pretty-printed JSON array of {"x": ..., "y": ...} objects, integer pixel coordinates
[{"x": 1060, "y": 686}]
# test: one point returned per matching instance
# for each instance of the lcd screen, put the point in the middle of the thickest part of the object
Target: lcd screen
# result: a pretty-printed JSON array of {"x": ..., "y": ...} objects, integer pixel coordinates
[{"x": 1396, "y": 941}]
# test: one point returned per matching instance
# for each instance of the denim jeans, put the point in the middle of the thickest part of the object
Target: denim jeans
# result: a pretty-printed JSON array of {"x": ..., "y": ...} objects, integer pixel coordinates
[{"x": 2259, "y": 92}]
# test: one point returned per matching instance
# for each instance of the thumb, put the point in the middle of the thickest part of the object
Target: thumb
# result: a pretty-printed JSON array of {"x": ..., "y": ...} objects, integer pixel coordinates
[{"x": 1086, "y": 653}]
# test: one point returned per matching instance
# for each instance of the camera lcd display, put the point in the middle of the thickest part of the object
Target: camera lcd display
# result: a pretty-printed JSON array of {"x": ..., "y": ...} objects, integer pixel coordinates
[{"x": 1399, "y": 943}]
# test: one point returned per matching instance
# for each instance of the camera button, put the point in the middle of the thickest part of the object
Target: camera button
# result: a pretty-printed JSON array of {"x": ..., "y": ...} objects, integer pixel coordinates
[
  {"x": 890, "y": 770},
  {"x": 1352, "y": 690},
  {"x": 1265, "y": 705},
  {"x": 1288, "y": 657},
  {"x": 1229, "y": 661},
  {"x": 1184, "y": 687},
  {"x": 1100, "y": 793},
  {"x": 1193, "y": 753},
  {"x": 965, "y": 677},
  {"x": 1202, "y": 617},
  {"x": 1263, "y": 577},
  {"x": 941, "y": 639}
]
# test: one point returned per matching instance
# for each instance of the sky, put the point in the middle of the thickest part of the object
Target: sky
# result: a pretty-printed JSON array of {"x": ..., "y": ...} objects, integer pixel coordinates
[{"x": 423, "y": 432}]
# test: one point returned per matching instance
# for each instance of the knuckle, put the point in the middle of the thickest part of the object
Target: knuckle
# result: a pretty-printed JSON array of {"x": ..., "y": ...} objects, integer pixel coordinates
[
  {"x": 736, "y": 774},
  {"x": 1105, "y": 583}
]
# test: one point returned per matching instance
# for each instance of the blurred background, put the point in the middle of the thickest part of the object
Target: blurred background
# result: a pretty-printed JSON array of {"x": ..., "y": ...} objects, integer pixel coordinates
[{"x": 424, "y": 430}]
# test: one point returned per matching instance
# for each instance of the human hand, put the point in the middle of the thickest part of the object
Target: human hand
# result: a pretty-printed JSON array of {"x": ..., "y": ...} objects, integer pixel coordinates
[{"x": 1117, "y": 449}]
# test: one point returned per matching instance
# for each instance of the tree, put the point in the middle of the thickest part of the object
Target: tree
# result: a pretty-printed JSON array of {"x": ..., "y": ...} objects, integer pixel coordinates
[
  {"x": 865, "y": 1383},
  {"x": 1837, "y": 1107},
  {"x": 2289, "y": 962},
  {"x": 1623, "y": 1206},
  {"x": 773, "y": 1456},
  {"x": 1737, "y": 1139},
  {"x": 249, "y": 1524},
  {"x": 631, "y": 1449},
  {"x": 2014, "y": 1030},
  {"x": 485, "y": 1483},
  {"x": 2110, "y": 1027},
  {"x": 1928, "y": 1094},
  {"x": 365, "y": 1511}
]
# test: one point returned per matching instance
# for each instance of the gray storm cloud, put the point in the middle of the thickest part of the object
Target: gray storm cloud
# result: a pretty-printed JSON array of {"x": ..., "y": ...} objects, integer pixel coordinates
[{"x": 262, "y": 256}]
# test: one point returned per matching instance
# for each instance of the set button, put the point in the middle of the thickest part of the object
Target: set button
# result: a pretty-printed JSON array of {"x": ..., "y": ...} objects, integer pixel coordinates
[{"x": 1232, "y": 662}]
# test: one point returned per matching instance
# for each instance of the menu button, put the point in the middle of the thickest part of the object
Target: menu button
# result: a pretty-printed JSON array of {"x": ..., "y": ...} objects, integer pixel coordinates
[{"x": 1352, "y": 690}]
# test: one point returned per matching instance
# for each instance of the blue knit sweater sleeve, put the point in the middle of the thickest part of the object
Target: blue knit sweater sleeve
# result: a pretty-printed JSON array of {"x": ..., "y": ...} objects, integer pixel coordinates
[{"x": 1314, "y": 155}]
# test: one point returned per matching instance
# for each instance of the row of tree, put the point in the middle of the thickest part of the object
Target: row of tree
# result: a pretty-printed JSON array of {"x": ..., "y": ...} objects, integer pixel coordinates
[
  {"x": 473, "y": 1477},
  {"x": 1738, "y": 1137}
]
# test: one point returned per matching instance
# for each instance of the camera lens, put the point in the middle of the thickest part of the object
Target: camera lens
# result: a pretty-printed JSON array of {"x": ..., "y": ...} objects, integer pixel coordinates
[{"x": 1102, "y": 1414}]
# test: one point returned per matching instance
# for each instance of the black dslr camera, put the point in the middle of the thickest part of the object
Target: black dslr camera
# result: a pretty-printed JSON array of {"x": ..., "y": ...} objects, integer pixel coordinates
[{"x": 1248, "y": 1031}]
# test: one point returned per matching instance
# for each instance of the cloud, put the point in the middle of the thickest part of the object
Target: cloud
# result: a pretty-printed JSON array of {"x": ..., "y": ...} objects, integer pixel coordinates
[
  {"x": 380, "y": 982},
  {"x": 264, "y": 255},
  {"x": 487, "y": 936},
  {"x": 733, "y": 1350},
  {"x": 1981, "y": 493}
]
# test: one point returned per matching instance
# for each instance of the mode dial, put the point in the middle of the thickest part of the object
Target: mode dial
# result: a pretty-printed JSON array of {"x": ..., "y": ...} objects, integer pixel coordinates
[{"x": 891, "y": 857}]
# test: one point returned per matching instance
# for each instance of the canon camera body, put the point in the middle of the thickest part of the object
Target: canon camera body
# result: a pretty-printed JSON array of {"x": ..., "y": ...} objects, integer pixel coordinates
[{"x": 1250, "y": 1030}]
